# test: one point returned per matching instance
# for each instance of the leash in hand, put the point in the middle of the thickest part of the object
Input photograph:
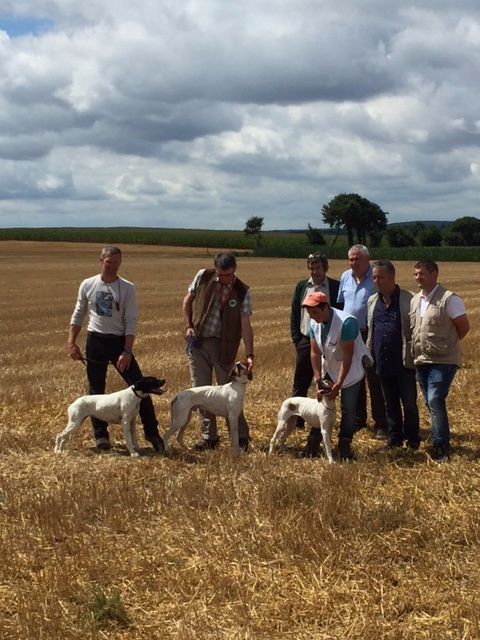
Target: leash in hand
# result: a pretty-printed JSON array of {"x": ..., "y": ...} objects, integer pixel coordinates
[{"x": 192, "y": 342}]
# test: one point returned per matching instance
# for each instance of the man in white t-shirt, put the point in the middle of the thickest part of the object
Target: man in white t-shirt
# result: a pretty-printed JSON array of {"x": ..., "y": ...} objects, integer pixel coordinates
[
  {"x": 438, "y": 321},
  {"x": 109, "y": 301},
  {"x": 337, "y": 352}
]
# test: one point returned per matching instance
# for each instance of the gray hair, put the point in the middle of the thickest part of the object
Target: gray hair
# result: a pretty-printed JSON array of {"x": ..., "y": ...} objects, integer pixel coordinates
[
  {"x": 110, "y": 250},
  {"x": 361, "y": 248}
]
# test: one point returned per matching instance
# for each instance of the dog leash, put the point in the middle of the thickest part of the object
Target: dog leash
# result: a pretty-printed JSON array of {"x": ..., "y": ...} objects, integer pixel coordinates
[
  {"x": 192, "y": 342},
  {"x": 84, "y": 361},
  {"x": 327, "y": 408}
]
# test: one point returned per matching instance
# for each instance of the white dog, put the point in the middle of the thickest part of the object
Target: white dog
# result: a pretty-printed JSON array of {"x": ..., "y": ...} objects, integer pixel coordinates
[
  {"x": 120, "y": 407},
  {"x": 224, "y": 400},
  {"x": 316, "y": 413}
]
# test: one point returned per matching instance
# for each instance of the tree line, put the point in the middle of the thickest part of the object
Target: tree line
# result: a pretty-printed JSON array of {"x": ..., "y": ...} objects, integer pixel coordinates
[{"x": 365, "y": 222}]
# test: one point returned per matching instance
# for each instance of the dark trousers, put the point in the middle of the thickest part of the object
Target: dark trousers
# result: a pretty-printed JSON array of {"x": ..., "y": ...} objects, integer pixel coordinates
[
  {"x": 100, "y": 350},
  {"x": 303, "y": 375},
  {"x": 400, "y": 392},
  {"x": 377, "y": 401}
]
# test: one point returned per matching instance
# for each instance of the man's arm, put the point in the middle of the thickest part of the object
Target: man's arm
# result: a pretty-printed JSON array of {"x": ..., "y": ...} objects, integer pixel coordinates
[
  {"x": 187, "y": 315},
  {"x": 295, "y": 314},
  {"x": 78, "y": 315},
  {"x": 315, "y": 359},
  {"x": 125, "y": 358},
  {"x": 72, "y": 348},
  {"x": 347, "y": 355},
  {"x": 462, "y": 325},
  {"x": 247, "y": 336}
]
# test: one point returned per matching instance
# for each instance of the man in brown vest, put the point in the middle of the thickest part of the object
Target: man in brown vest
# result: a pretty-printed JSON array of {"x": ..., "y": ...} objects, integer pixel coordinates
[
  {"x": 216, "y": 313},
  {"x": 439, "y": 321}
]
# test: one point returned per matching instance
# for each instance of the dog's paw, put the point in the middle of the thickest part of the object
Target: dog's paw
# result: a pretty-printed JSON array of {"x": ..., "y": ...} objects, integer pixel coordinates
[{"x": 134, "y": 454}]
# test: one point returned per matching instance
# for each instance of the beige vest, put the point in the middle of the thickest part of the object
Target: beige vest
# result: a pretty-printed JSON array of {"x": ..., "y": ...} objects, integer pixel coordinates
[{"x": 435, "y": 337}]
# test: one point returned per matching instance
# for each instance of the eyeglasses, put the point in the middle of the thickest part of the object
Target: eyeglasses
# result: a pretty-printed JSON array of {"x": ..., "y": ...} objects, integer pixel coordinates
[{"x": 317, "y": 256}]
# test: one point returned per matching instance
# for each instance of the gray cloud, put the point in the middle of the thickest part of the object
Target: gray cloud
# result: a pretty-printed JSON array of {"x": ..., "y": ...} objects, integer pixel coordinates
[{"x": 201, "y": 108}]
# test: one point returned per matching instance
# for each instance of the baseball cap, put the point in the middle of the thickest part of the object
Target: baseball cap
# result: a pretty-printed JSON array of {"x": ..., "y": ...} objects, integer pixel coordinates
[{"x": 314, "y": 299}]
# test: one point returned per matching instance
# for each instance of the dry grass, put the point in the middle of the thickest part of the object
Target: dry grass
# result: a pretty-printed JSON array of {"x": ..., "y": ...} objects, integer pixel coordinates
[{"x": 104, "y": 546}]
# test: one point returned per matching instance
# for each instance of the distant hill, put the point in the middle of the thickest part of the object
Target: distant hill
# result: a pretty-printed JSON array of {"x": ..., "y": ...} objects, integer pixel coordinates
[
  {"x": 329, "y": 231},
  {"x": 427, "y": 223}
]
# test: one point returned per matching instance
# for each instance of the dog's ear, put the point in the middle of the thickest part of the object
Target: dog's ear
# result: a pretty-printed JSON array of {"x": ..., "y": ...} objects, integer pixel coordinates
[{"x": 249, "y": 375}]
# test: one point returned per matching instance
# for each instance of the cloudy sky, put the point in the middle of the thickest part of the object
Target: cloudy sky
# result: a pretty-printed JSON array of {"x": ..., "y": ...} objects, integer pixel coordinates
[{"x": 202, "y": 113}]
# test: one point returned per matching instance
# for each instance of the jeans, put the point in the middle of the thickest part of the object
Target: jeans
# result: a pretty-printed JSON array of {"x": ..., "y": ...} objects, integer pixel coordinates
[
  {"x": 435, "y": 381},
  {"x": 103, "y": 349},
  {"x": 348, "y": 405},
  {"x": 400, "y": 392}
]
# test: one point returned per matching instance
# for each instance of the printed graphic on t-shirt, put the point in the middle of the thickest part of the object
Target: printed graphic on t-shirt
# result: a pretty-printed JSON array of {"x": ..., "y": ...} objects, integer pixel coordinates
[{"x": 104, "y": 303}]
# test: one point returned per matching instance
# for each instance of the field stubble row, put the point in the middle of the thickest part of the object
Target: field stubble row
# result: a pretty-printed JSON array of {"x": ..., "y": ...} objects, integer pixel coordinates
[{"x": 207, "y": 546}]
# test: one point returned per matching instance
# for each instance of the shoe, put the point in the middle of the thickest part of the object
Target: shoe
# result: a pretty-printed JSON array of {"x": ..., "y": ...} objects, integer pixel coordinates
[
  {"x": 157, "y": 443},
  {"x": 243, "y": 444},
  {"x": 440, "y": 454},
  {"x": 413, "y": 446},
  {"x": 312, "y": 448},
  {"x": 205, "y": 445},
  {"x": 103, "y": 444},
  {"x": 380, "y": 434},
  {"x": 345, "y": 450},
  {"x": 393, "y": 446}
]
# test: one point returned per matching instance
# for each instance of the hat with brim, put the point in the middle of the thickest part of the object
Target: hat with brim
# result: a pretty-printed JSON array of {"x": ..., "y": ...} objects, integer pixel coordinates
[{"x": 315, "y": 299}]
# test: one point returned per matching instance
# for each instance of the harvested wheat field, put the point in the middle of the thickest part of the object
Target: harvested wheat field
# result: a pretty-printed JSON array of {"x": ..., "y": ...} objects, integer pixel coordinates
[{"x": 197, "y": 546}]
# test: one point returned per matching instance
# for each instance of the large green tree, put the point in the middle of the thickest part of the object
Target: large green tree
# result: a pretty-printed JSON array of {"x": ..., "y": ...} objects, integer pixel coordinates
[
  {"x": 467, "y": 228},
  {"x": 358, "y": 216},
  {"x": 253, "y": 227}
]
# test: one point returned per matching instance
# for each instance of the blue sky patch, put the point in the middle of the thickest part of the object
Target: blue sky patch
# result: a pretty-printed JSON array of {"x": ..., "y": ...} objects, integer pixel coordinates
[{"x": 17, "y": 26}]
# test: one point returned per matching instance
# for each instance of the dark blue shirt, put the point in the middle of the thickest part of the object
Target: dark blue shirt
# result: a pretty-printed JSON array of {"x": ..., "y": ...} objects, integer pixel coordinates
[{"x": 387, "y": 336}]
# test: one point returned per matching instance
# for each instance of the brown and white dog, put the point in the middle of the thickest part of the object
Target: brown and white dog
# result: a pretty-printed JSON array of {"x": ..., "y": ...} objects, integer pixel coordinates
[
  {"x": 120, "y": 407},
  {"x": 224, "y": 400}
]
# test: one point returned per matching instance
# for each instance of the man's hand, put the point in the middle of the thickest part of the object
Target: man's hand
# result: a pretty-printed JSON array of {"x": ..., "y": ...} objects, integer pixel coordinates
[
  {"x": 124, "y": 360},
  {"x": 74, "y": 351},
  {"x": 189, "y": 333},
  {"x": 249, "y": 364},
  {"x": 327, "y": 388}
]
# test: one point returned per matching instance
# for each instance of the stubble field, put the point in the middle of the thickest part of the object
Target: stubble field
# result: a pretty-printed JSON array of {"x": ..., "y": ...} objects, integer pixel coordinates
[{"x": 209, "y": 546}]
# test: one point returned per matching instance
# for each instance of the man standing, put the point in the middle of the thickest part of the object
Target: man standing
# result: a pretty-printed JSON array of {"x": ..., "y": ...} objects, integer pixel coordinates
[
  {"x": 110, "y": 303},
  {"x": 389, "y": 340},
  {"x": 335, "y": 335},
  {"x": 317, "y": 264},
  {"x": 356, "y": 286},
  {"x": 216, "y": 313},
  {"x": 439, "y": 322}
]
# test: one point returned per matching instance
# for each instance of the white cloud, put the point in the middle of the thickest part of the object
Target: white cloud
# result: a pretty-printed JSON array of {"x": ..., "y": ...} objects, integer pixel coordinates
[{"x": 207, "y": 112}]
